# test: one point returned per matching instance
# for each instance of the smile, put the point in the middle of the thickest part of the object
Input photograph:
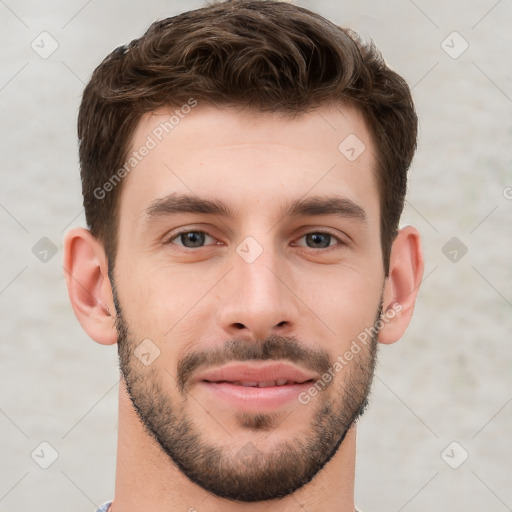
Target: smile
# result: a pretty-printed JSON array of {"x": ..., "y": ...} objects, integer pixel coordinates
[{"x": 254, "y": 387}]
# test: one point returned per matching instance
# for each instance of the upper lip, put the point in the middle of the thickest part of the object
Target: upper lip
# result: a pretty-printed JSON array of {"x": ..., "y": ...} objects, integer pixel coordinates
[{"x": 257, "y": 373}]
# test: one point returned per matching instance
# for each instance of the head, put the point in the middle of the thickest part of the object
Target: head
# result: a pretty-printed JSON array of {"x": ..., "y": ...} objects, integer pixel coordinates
[
  {"x": 261, "y": 55},
  {"x": 253, "y": 126}
]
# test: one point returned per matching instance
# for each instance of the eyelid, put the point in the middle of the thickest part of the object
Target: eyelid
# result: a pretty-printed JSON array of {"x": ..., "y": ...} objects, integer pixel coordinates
[
  {"x": 323, "y": 231},
  {"x": 189, "y": 229}
]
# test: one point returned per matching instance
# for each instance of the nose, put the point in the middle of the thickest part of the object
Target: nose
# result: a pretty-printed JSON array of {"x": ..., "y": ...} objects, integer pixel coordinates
[{"x": 259, "y": 297}]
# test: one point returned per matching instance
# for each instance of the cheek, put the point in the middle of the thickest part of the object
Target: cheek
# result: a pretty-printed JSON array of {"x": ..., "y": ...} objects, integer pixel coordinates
[
  {"x": 146, "y": 301},
  {"x": 165, "y": 302},
  {"x": 345, "y": 303},
  {"x": 163, "y": 305}
]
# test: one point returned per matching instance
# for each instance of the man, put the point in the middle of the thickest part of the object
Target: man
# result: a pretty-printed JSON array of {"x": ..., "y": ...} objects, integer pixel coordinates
[{"x": 244, "y": 169}]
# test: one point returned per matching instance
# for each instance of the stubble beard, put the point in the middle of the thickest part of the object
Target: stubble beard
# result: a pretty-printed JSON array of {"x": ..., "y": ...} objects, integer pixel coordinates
[{"x": 247, "y": 473}]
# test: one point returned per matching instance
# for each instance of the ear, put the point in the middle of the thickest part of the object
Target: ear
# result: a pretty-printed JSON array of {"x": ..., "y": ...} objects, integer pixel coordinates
[
  {"x": 402, "y": 284},
  {"x": 89, "y": 287}
]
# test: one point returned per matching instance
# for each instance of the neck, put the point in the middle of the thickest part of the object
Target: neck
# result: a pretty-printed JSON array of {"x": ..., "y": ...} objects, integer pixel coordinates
[{"x": 146, "y": 479}]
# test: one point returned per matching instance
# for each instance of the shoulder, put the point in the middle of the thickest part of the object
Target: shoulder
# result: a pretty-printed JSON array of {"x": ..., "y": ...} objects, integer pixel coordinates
[{"x": 104, "y": 507}]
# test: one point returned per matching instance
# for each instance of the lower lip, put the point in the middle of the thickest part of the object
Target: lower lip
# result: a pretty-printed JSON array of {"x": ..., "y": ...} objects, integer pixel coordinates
[{"x": 255, "y": 398}]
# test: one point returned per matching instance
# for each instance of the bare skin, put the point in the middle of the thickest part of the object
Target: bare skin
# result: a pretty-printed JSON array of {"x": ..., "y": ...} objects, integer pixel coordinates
[{"x": 185, "y": 299}]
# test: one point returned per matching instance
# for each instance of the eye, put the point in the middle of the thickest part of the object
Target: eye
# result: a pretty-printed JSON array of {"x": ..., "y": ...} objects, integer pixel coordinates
[
  {"x": 190, "y": 239},
  {"x": 320, "y": 240},
  {"x": 194, "y": 239}
]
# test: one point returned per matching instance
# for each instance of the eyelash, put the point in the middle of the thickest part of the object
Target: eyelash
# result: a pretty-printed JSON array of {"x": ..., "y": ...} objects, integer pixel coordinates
[{"x": 340, "y": 243}]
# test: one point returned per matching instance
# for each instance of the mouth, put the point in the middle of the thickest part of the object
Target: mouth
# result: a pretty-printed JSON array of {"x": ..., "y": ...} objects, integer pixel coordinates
[{"x": 255, "y": 387}]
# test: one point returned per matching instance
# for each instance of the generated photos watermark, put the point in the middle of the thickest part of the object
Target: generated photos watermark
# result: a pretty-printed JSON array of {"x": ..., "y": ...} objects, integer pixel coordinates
[
  {"x": 343, "y": 360},
  {"x": 151, "y": 142}
]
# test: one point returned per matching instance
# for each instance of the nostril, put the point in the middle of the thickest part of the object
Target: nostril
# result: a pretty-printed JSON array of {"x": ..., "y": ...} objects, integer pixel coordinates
[{"x": 239, "y": 325}]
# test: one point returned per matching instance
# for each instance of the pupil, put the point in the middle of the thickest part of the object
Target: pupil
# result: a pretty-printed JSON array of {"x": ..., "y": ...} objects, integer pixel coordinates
[
  {"x": 194, "y": 237},
  {"x": 317, "y": 238}
]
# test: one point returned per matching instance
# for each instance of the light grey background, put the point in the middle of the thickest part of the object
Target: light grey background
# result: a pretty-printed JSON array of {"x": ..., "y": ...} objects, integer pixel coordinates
[{"x": 449, "y": 378}]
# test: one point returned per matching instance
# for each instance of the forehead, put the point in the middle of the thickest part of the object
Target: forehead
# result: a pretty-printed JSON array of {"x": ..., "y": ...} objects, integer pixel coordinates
[{"x": 245, "y": 158}]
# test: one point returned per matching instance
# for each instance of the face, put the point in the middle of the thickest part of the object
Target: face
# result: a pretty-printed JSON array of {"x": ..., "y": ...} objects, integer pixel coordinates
[{"x": 248, "y": 263}]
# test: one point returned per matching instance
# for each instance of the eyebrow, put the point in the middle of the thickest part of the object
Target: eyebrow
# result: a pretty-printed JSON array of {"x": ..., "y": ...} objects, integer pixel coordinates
[
  {"x": 319, "y": 205},
  {"x": 310, "y": 206},
  {"x": 182, "y": 203}
]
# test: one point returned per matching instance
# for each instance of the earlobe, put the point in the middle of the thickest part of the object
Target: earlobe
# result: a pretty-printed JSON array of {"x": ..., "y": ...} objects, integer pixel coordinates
[
  {"x": 89, "y": 288},
  {"x": 402, "y": 284}
]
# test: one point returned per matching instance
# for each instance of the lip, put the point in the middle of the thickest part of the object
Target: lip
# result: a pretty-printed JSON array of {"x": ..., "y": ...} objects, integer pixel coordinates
[
  {"x": 266, "y": 372},
  {"x": 225, "y": 383}
]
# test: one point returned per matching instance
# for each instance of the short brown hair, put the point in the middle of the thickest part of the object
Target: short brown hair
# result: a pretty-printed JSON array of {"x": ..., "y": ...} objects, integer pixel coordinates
[{"x": 261, "y": 54}]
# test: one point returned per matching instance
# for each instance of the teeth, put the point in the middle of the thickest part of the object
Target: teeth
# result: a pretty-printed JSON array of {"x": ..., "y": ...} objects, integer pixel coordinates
[{"x": 267, "y": 384}]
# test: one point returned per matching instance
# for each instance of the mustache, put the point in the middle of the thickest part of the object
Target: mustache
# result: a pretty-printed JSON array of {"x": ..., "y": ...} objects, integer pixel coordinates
[{"x": 273, "y": 347}]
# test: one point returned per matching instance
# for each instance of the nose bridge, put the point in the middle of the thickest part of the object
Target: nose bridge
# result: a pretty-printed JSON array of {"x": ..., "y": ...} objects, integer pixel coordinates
[
  {"x": 257, "y": 297},
  {"x": 258, "y": 264}
]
